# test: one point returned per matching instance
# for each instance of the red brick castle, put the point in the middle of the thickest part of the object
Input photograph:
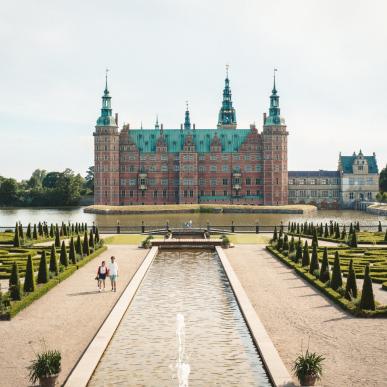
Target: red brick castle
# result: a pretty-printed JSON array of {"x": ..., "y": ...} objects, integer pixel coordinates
[{"x": 190, "y": 165}]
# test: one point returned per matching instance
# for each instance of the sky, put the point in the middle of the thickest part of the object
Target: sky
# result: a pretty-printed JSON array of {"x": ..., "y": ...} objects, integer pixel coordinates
[{"x": 331, "y": 58}]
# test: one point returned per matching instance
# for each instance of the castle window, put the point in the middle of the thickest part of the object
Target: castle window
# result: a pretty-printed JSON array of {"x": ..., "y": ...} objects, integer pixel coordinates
[
  {"x": 276, "y": 180},
  {"x": 225, "y": 193},
  {"x": 131, "y": 194},
  {"x": 201, "y": 193},
  {"x": 258, "y": 167},
  {"x": 225, "y": 181},
  {"x": 248, "y": 192},
  {"x": 225, "y": 168},
  {"x": 213, "y": 193},
  {"x": 248, "y": 168},
  {"x": 351, "y": 195},
  {"x": 213, "y": 181},
  {"x": 213, "y": 157},
  {"x": 248, "y": 181},
  {"x": 202, "y": 168},
  {"x": 224, "y": 157},
  {"x": 258, "y": 192},
  {"x": 191, "y": 194},
  {"x": 202, "y": 157},
  {"x": 213, "y": 168},
  {"x": 155, "y": 194},
  {"x": 258, "y": 181},
  {"x": 164, "y": 181}
]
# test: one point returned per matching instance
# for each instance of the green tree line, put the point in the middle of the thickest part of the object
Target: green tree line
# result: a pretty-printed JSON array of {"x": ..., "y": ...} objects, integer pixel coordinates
[{"x": 47, "y": 189}]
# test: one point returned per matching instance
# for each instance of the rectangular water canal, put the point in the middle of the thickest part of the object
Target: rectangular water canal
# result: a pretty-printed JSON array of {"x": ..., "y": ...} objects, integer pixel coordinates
[{"x": 184, "y": 327}]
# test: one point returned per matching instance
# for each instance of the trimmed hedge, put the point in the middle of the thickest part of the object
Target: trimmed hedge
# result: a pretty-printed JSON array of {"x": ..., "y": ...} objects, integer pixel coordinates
[
  {"x": 336, "y": 297},
  {"x": 17, "y": 306}
]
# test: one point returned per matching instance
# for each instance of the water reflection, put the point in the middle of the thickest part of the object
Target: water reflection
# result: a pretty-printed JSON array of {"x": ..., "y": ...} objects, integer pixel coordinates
[
  {"x": 217, "y": 345},
  {"x": 8, "y": 217}
]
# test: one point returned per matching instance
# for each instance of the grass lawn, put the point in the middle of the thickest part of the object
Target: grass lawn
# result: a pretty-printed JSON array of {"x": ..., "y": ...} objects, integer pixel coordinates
[
  {"x": 127, "y": 239},
  {"x": 6, "y": 237},
  {"x": 370, "y": 237}
]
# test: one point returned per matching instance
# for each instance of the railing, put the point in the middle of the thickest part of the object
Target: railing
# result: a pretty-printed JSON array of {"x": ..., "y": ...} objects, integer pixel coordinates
[{"x": 162, "y": 228}]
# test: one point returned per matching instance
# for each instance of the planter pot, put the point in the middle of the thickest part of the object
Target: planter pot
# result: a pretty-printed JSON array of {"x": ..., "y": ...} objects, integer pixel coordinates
[
  {"x": 308, "y": 380},
  {"x": 48, "y": 381}
]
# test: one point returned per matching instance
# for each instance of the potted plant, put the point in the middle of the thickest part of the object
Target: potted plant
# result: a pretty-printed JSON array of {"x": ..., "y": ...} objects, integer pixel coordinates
[
  {"x": 225, "y": 241},
  {"x": 46, "y": 368},
  {"x": 308, "y": 368}
]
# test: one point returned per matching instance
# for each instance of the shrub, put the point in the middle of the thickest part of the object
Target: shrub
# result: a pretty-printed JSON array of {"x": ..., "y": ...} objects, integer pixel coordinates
[
  {"x": 275, "y": 236},
  {"x": 42, "y": 273},
  {"x": 336, "y": 280},
  {"x": 385, "y": 236},
  {"x": 14, "y": 284},
  {"x": 326, "y": 232},
  {"x": 298, "y": 256},
  {"x": 351, "y": 287},
  {"x": 96, "y": 235},
  {"x": 35, "y": 233},
  {"x": 286, "y": 243},
  {"x": 380, "y": 227},
  {"x": 63, "y": 255},
  {"x": 72, "y": 254},
  {"x": 280, "y": 243},
  {"x": 314, "y": 265},
  {"x": 28, "y": 232},
  {"x": 53, "y": 262},
  {"x": 78, "y": 246},
  {"x": 308, "y": 364},
  {"x": 324, "y": 272},
  {"x": 29, "y": 279},
  {"x": 57, "y": 237},
  {"x": 367, "y": 300},
  {"x": 91, "y": 238},
  {"x": 305, "y": 255},
  {"x": 315, "y": 238},
  {"x": 291, "y": 245}
]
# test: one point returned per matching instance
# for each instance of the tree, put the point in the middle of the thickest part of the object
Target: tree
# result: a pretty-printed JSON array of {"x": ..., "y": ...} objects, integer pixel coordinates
[
  {"x": 353, "y": 241},
  {"x": 96, "y": 235},
  {"x": 72, "y": 254},
  {"x": 42, "y": 272},
  {"x": 299, "y": 251},
  {"x": 275, "y": 235},
  {"x": 57, "y": 238},
  {"x": 35, "y": 233},
  {"x": 351, "y": 287},
  {"x": 14, "y": 284},
  {"x": 50, "y": 180},
  {"x": 29, "y": 279},
  {"x": 315, "y": 238},
  {"x": 53, "y": 261},
  {"x": 89, "y": 179},
  {"x": 324, "y": 272},
  {"x": 16, "y": 238},
  {"x": 36, "y": 178},
  {"x": 326, "y": 232},
  {"x": 86, "y": 248},
  {"x": 91, "y": 239},
  {"x": 21, "y": 232},
  {"x": 28, "y": 232},
  {"x": 337, "y": 280},
  {"x": 367, "y": 300},
  {"x": 63, "y": 255},
  {"x": 314, "y": 265},
  {"x": 9, "y": 192},
  {"x": 385, "y": 236},
  {"x": 78, "y": 246},
  {"x": 291, "y": 245},
  {"x": 383, "y": 180},
  {"x": 305, "y": 255}
]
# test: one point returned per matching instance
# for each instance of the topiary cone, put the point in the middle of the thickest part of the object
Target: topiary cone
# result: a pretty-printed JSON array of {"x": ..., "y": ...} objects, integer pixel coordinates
[
  {"x": 29, "y": 280},
  {"x": 367, "y": 300},
  {"x": 351, "y": 287},
  {"x": 336, "y": 280}
]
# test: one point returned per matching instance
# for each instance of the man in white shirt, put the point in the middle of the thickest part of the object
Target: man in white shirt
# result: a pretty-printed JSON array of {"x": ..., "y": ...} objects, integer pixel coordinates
[{"x": 113, "y": 273}]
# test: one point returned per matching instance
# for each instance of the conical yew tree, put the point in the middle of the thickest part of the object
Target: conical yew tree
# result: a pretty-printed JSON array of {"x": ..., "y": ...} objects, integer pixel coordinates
[
  {"x": 16, "y": 238},
  {"x": 57, "y": 237},
  {"x": 336, "y": 280},
  {"x": 63, "y": 255},
  {"x": 53, "y": 267},
  {"x": 86, "y": 249},
  {"x": 29, "y": 279},
  {"x": 72, "y": 252},
  {"x": 14, "y": 284},
  {"x": 324, "y": 271},
  {"x": 42, "y": 273},
  {"x": 367, "y": 300},
  {"x": 275, "y": 236},
  {"x": 305, "y": 255},
  {"x": 314, "y": 265},
  {"x": 351, "y": 287}
]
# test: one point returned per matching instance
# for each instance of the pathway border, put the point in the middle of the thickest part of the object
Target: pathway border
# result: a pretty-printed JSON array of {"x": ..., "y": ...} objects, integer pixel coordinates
[
  {"x": 274, "y": 365},
  {"x": 82, "y": 372}
]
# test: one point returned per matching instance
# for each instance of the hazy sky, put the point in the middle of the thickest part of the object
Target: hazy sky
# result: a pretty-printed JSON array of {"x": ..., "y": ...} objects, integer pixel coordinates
[{"x": 331, "y": 58}]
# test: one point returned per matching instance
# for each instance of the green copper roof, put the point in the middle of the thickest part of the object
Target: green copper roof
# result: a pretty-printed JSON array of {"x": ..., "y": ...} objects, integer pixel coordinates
[
  {"x": 106, "y": 118},
  {"x": 146, "y": 139},
  {"x": 347, "y": 162},
  {"x": 227, "y": 114},
  {"x": 274, "y": 117}
]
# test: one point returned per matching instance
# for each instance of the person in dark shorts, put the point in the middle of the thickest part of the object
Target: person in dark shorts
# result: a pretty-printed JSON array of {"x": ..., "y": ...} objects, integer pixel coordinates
[{"x": 101, "y": 275}]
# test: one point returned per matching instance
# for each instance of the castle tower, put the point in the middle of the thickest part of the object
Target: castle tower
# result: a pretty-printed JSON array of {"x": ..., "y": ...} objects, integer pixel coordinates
[
  {"x": 227, "y": 116},
  {"x": 106, "y": 154},
  {"x": 187, "y": 120},
  {"x": 275, "y": 158}
]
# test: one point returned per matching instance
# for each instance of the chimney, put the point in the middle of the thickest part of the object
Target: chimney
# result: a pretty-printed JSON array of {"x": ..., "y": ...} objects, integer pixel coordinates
[
  {"x": 194, "y": 127},
  {"x": 116, "y": 119},
  {"x": 264, "y": 118}
]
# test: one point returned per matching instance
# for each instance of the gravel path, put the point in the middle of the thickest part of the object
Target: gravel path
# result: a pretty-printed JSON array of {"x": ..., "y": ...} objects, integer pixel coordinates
[
  {"x": 67, "y": 318},
  {"x": 292, "y": 311}
]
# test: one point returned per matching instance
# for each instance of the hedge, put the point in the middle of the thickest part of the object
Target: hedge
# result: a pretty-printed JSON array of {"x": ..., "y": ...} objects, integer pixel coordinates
[
  {"x": 336, "y": 297},
  {"x": 17, "y": 306}
]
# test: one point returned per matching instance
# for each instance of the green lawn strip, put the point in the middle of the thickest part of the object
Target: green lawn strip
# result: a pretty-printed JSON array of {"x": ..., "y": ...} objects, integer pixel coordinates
[
  {"x": 17, "y": 306},
  {"x": 128, "y": 239},
  {"x": 330, "y": 293},
  {"x": 247, "y": 239}
]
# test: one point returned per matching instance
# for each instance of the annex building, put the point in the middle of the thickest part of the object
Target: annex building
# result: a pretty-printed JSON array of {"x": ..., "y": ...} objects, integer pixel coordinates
[
  {"x": 223, "y": 164},
  {"x": 356, "y": 180}
]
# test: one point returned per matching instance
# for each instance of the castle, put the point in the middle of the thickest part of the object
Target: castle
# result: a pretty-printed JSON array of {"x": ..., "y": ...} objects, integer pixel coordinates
[{"x": 191, "y": 165}]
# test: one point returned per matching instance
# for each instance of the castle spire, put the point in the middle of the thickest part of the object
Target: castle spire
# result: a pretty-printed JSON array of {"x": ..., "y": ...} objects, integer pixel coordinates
[
  {"x": 187, "y": 120},
  {"x": 274, "y": 117},
  {"x": 157, "y": 126},
  {"x": 106, "y": 118},
  {"x": 227, "y": 116}
]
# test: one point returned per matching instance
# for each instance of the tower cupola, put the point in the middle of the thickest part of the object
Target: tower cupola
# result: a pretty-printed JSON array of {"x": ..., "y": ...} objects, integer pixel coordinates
[
  {"x": 106, "y": 118},
  {"x": 227, "y": 115},
  {"x": 274, "y": 117}
]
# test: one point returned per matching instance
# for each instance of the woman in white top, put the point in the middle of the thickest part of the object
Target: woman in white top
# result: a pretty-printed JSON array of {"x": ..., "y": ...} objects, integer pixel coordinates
[{"x": 101, "y": 275}]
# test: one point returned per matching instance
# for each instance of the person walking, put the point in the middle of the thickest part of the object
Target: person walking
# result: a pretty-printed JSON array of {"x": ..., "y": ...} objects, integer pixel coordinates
[
  {"x": 113, "y": 273},
  {"x": 101, "y": 275}
]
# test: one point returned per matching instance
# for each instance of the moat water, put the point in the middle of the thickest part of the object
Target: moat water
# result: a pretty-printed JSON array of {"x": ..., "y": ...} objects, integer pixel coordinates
[
  {"x": 184, "y": 327},
  {"x": 9, "y": 216}
]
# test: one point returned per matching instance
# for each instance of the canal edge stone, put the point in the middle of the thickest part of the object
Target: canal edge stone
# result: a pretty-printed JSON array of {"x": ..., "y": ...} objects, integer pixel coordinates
[
  {"x": 84, "y": 369},
  {"x": 274, "y": 365}
]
